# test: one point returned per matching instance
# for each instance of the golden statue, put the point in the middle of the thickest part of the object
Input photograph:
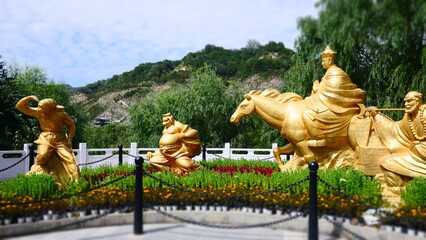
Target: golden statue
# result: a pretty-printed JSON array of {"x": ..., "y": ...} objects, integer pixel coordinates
[
  {"x": 317, "y": 126},
  {"x": 406, "y": 142},
  {"x": 178, "y": 145},
  {"x": 54, "y": 151},
  {"x": 333, "y": 127}
]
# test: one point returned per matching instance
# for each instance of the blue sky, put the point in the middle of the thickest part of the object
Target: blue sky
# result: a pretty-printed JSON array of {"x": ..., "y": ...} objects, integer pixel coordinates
[{"x": 81, "y": 41}]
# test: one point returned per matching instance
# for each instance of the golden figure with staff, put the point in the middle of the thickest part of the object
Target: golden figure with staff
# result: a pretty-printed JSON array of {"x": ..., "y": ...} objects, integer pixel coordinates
[{"x": 406, "y": 141}]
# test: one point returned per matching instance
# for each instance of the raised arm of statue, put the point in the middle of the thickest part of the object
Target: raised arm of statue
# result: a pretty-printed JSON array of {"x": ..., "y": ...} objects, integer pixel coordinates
[{"x": 22, "y": 106}]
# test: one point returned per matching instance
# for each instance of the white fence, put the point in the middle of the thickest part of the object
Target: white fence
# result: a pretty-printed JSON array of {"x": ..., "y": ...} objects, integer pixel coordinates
[{"x": 85, "y": 156}]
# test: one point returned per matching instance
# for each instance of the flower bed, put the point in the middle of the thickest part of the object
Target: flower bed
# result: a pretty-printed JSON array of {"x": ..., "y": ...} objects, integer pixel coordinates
[{"x": 220, "y": 182}]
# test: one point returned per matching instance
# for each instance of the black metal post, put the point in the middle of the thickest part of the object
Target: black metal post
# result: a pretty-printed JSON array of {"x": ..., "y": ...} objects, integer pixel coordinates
[
  {"x": 138, "y": 220},
  {"x": 120, "y": 155},
  {"x": 313, "y": 201},
  {"x": 32, "y": 155},
  {"x": 204, "y": 151}
]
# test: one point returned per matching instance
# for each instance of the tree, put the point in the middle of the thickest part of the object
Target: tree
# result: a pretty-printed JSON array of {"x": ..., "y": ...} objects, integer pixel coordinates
[
  {"x": 380, "y": 44},
  {"x": 110, "y": 135},
  {"x": 9, "y": 118},
  {"x": 253, "y": 47},
  {"x": 205, "y": 104},
  {"x": 33, "y": 80},
  {"x": 18, "y": 128},
  {"x": 275, "y": 47}
]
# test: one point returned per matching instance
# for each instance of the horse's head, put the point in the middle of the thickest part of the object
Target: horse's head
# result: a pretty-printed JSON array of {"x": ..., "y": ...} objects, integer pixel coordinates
[{"x": 245, "y": 108}]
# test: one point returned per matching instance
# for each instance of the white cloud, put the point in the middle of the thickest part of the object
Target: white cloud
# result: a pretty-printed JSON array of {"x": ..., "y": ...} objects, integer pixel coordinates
[{"x": 81, "y": 41}]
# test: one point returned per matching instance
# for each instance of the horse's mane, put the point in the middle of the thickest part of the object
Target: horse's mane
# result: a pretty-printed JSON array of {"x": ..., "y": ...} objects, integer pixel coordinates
[{"x": 274, "y": 94}]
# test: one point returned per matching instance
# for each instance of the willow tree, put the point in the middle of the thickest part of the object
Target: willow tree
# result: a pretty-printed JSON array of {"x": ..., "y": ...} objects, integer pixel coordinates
[
  {"x": 381, "y": 44},
  {"x": 203, "y": 104}
]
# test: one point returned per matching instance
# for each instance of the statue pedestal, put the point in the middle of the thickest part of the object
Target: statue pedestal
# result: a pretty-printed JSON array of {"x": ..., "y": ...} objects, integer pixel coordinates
[{"x": 368, "y": 161}]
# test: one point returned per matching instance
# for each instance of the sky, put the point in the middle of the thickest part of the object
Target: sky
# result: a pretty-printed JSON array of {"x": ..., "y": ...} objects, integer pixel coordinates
[{"x": 78, "y": 42}]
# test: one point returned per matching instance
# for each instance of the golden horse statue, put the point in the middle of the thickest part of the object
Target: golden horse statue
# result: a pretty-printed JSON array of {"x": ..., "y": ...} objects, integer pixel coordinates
[
  {"x": 284, "y": 113},
  {"x": 318, "y": 126}
]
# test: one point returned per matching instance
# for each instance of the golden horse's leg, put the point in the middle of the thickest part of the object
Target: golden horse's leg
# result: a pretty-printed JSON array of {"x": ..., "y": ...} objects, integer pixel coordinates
[
  {"x": 308, "y": 155},
  {"x": 289, "y": 148}
]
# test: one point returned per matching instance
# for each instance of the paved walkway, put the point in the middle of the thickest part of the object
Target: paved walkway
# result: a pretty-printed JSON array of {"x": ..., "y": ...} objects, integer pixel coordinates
[
  {"x": 171, "y": 231},
  {"x": 159, "y": 227}
]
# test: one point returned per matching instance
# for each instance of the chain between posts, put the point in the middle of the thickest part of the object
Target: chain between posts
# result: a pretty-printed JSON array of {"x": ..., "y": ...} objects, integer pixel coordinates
[
  {"x": 216, "y": 155},
  {"x": 222, "y": 195},
  {"x": 128, "y": 154},
  {"x": 101, "y": 160},
  {"x": 77, "y": 222},
  {"x": 387, "y": 214},
  {"x": 345, "y": 194},
  {"x": 345, "y": 229},
  {"x": 226, "y": 226},
  {"x": 18, "y": 162}
]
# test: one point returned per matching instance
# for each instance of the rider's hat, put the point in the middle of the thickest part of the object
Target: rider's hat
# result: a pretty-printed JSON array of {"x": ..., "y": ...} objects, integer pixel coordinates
[{"x": 328, "y": 52}]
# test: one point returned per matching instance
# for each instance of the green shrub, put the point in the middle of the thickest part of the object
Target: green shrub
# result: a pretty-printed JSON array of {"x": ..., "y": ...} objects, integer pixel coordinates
[
  {"x": 36, "y": 186},
  {"x": 414, "y": 194}
]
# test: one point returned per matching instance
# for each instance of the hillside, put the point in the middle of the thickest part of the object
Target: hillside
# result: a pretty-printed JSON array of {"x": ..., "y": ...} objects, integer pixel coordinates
[
  {"x": 113, "y": 105},
  {"x": 252, "y": 67}
]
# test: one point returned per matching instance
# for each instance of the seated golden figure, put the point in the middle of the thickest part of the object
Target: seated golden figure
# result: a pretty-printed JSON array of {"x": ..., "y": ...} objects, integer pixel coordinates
[
  {"x": 406, "y": 141},
  {"x": 178, "y": 145},
  {"x": 54, "y": 150},
  {"x": 334, "y": 101}
]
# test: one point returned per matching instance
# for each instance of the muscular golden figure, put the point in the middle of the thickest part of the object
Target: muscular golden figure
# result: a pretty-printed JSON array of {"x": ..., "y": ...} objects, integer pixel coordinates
[{"x": 54, "y": 152}]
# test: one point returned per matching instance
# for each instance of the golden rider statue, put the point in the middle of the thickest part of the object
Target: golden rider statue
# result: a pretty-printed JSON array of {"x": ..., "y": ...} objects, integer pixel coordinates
[{"x": 329, "y": 109}]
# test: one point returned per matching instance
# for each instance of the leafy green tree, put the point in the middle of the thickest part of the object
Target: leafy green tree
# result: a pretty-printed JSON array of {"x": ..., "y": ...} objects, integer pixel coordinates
[
  {"x": 9, "y": 118},
  {"x": 380, "y": 44},
  {"x": 275, "y": 47},
  {"x": 204, "y": 105},
  {"x": 108, "y": 136},
  {"x": 28, "y": 80},
  {"x": 33, "y": 80},
  {"x": 253, "y": 47}
]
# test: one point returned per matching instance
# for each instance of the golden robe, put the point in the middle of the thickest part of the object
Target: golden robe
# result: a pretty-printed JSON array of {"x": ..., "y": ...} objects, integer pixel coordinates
[{"x": 331, "y": 107}]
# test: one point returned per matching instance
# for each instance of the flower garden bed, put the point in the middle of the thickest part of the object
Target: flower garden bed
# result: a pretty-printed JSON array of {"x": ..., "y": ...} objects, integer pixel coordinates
[{"x": 231, "y": 183}]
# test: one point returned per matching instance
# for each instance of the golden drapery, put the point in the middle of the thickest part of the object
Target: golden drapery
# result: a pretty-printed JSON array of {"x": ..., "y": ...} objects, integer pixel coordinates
[
  {"x": 408, "y": 155},
  {"x": 331, "y": 107}
]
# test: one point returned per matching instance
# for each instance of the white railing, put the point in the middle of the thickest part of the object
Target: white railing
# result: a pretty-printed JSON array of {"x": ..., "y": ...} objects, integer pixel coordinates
[{"x": 85, "y": 156}]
